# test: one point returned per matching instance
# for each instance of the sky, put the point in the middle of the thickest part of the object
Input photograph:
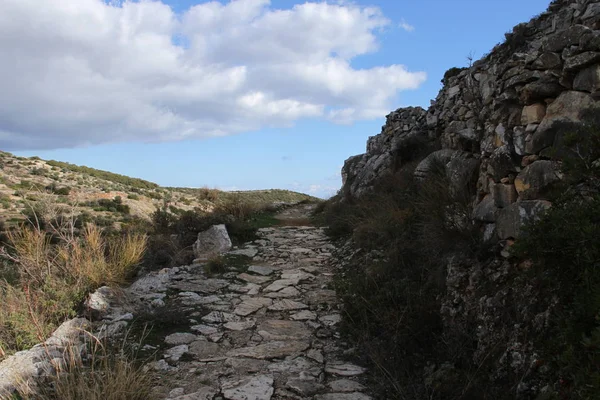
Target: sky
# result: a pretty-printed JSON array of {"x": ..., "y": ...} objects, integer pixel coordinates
[{"x": 236, "y": 95}]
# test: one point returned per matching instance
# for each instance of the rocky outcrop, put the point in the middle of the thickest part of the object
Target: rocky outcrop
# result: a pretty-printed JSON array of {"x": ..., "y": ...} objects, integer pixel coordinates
[
  {"x": 495, "y": 117},
  {"x": 212, "y": 242},
  {"x": 497, "y": 133},
  {"x": 26, "y": 368}
]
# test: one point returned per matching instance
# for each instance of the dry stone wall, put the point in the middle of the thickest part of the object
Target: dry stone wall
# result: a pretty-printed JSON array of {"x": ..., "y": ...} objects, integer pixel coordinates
[{"x": 493, "y": 124}]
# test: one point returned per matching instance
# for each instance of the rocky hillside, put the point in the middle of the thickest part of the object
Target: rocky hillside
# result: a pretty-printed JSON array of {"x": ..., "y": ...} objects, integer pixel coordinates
[
  {"x": 510, "y": 287},
  {"x": 109, "y": 199},
  {"x": 494, "y": 123}
]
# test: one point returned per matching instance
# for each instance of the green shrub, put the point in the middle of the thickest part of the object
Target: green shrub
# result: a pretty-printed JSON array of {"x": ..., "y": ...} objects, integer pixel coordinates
[
  {"x": 564, "y": 248},
  {"x": 133, "y": 197},
  {"x": 38, "y": 171},
  {"x": 114, "y": 205},
  {"x": 406, "y": 229},
  {"x": 216, "y": 265},
  {"x": 154, "y": 195},
  {"x": 517, "y": 37},
  {"x": 54, "y": 188},
  {"x": 452, "y": 72},
  {"x": 5, "y": 201}
]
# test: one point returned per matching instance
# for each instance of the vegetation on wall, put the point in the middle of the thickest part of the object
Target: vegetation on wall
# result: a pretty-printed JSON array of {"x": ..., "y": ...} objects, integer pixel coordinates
[
  {"x": 391, "y": 297},
  {"x": 405, "y": 232}
]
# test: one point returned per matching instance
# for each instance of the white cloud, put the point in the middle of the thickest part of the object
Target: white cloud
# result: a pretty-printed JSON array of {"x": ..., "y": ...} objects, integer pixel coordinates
[
  {"x": 406, "y": 26},
  {"x": 81, "y": 72},
  {"x": 322, "y": 191}
]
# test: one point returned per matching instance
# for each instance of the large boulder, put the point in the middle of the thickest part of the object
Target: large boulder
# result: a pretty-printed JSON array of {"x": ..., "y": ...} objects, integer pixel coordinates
[{"x": 212, "y": 242}]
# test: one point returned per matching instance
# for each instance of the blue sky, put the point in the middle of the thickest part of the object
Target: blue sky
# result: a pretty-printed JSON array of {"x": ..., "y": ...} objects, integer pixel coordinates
[{"x": 245, "y": 95}]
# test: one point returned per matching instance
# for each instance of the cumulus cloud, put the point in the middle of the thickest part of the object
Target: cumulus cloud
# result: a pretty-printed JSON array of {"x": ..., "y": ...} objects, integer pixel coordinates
[
  {"x": 83, "y": 72},
  {"x": 406, "y": 26}
]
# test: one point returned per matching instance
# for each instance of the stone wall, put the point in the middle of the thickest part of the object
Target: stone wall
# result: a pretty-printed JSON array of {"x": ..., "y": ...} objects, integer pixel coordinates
[{"x": 495, "y": 121}]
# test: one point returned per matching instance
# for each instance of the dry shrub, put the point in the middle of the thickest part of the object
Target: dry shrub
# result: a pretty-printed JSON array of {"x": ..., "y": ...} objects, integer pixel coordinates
[
  {"x": 238, "y": 208},
  {"x": 208, "y": 194}
]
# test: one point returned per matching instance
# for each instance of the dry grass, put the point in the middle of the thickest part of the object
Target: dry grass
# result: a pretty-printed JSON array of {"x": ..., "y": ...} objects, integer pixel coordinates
[
  {"x": 55, "y": 270},
  {"x": 110, "y": 377},
  {"x": 98, "y": 370},
  {"x": 239, "y": 208}
]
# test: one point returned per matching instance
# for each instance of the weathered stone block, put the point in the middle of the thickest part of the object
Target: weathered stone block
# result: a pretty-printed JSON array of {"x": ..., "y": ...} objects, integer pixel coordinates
[
  {"x": 535, "y": 178},
  {"x": 504, "y": 195},
  {"x": 511, "y": 219},
  {"x": 588, "y": 79},
  {"x": 581, "y": 60},
  {"x": 540, "y": 90},
  {"x": 485, "y": 211},
  {"x": 565, "y": 38},
  {"x": 533, "y": 114},
  {"x": 548, "y": 60},
  {"x": 501, "y": 163}
]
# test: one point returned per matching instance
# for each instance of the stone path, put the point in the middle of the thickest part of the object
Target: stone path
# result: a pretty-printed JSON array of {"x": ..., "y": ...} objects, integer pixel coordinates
[{"x": 265, "y": 331}]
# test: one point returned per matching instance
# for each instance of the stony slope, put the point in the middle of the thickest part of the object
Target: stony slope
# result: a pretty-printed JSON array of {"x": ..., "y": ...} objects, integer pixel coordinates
[{"x": 27, "y": 183}]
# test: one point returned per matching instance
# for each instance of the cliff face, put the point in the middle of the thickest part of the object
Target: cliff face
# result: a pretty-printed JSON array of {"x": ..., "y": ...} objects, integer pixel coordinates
[
  {"x": 492, "y": 124},
  {"x": 496, "y": 130}
]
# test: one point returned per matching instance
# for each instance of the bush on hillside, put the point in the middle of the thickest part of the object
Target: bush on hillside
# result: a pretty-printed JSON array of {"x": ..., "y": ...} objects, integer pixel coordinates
[
  {"x": 452, "y": 72},
  {"x": 109, "y": 176}
]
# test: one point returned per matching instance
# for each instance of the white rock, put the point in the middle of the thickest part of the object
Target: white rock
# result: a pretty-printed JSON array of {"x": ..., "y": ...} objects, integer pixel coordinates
[
  {"x": 180, "y": 338},
  {"x": 252, "y": 305},
  {"x": 204, "y": 329},
  {"x": 217, "y": 317},
  {"x": 346, "y": 385},
  {"x": 261, "y": 270},
  {"x": 331, "y": 320},
  {"x": 344, "y": 369},
  {"x": 253, "y": 388},
  {"x": 213, "y": 241},
  {"x": 270, "y": 350},
  {"x": 240, "y": 326},
  {"x": 287, "y": 305},
  {"x": 281, "y": 284},
  {"x": 248, "y": 252},
  {"x": 304, "y": 315},
  {"x": 175, "y": 353}
]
